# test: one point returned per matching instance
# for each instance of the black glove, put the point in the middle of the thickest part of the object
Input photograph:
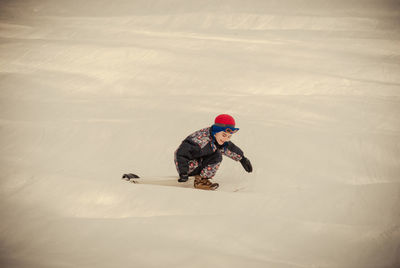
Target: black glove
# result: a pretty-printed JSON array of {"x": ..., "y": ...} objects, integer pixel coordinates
[
  {"x": 183, "y": 177},
  {"x": 246, "y": 164}
]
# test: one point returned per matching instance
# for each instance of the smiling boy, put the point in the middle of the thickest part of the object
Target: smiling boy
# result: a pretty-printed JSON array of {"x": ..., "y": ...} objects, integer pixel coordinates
[{"x": 200, "y": 154}]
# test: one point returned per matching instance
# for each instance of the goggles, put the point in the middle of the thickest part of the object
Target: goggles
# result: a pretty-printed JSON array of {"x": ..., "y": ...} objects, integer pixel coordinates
[
  {"x": 231, "y": 131},
  {"x": 226, "y": 128}
]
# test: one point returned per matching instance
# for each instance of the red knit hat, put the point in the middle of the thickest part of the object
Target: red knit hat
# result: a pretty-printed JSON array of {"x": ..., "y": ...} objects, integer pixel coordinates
[{"x": 225, "y": 120}]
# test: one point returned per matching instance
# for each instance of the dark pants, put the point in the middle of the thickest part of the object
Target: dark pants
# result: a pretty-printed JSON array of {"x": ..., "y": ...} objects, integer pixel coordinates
[{"x": 206, "y": 166}]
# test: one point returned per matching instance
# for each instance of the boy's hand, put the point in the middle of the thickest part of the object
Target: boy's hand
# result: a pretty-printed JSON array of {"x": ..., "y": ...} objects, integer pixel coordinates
[
  {"x": 183, "y": 178},
  {"x": 246, "y": 164}
]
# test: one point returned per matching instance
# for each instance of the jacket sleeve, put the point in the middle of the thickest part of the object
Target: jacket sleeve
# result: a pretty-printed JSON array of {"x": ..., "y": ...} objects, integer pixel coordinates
[
  {"x": 232, "y": 151},
  {"x": 187, "y": 151}
]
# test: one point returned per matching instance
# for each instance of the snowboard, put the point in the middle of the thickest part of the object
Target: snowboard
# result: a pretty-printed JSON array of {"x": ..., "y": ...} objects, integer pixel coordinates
[{"x": 162, "y": 181}]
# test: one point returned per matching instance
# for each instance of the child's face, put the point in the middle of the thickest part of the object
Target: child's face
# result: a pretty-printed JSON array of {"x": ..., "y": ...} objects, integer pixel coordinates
[{"x": 222, "y": 137}]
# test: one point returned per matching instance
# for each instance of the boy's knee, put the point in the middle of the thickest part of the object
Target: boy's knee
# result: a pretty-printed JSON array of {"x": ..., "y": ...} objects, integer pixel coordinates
[{"x": 213, "y": 159}]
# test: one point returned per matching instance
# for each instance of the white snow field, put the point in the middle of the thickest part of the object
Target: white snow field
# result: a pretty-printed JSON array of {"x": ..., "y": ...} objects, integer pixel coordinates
[{"x": 90, "y": 90}]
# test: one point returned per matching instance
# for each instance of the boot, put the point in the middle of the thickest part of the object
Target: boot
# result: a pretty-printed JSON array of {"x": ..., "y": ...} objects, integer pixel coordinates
[{"x": 204, "y": 184}]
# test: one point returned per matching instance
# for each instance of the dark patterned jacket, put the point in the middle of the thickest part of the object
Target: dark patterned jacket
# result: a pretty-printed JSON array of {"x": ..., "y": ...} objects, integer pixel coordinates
[{"x": 201, "y": 144}]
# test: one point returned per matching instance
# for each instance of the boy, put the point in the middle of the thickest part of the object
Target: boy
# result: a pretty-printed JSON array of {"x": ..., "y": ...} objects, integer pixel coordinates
[{"x": 200, "y": 154}]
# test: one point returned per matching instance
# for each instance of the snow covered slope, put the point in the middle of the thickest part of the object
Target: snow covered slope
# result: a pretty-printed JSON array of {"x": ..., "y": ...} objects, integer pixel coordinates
[{"x": 90, "y": 90}]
